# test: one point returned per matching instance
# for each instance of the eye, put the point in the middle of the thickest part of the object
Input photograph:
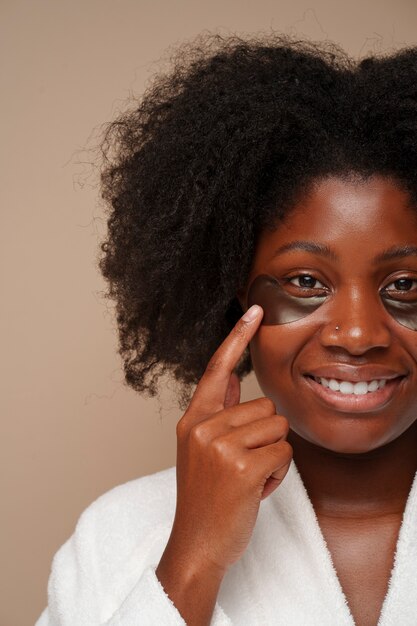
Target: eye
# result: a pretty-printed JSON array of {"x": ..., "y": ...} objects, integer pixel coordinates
[
  {"x": 402, "y": 288},
  {"x": 305, "y": 281},
  {"x": 402, "y": 284}
]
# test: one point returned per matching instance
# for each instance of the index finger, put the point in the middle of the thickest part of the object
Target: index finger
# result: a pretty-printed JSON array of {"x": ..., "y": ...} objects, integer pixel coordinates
[{"x": 209, "y": 395}]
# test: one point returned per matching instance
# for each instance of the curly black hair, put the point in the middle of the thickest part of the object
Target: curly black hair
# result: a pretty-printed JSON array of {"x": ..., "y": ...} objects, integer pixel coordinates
[{"x": 217, "y": 150}]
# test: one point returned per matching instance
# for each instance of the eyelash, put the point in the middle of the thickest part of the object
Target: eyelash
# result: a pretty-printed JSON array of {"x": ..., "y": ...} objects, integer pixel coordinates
[
  {"x": 292, "y": 278},
  {"x": 318, "y": 285}
]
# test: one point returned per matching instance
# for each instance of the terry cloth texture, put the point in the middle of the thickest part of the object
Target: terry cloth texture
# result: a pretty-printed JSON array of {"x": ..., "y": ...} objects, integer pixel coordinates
[{"x": 105, "y": 573}]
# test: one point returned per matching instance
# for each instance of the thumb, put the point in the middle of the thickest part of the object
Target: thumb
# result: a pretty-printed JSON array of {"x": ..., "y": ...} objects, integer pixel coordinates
[{"x": 232, "y": 396}]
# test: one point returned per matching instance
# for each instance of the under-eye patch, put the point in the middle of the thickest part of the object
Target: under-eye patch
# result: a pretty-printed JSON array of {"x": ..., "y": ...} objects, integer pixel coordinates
[
  {"x": 280, "y": 306},
  {"x": 405, "y": 313}
]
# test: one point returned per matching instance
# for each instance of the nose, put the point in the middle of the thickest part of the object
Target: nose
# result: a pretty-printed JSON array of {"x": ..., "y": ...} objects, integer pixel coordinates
[{"x": 357, "y": 323}]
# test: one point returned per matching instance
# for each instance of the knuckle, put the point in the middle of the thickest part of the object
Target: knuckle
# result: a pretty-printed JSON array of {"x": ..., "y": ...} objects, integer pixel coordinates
[
  {"x": 267, "y": 405},
  {"x": 281, "y": 452},
  {"x": 227, "y": 456},
  {"x": 286, "y": 449},
  {"x": 221, "y": 447},
  {"x": 241, "y": 466},
  {"x": 199, "y": 434},
  {"x": 282, "y": 424}
]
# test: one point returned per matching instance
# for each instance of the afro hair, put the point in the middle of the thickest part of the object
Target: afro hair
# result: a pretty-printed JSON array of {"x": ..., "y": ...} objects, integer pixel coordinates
[{"x": 216, "y": 151}]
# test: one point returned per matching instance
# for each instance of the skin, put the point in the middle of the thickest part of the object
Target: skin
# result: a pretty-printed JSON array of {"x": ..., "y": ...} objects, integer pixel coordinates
[{"x": 357, "y": 460}]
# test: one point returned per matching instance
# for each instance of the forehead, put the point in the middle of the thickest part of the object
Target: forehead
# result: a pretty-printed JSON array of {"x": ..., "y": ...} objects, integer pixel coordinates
[{"x": 355, "y": 218}]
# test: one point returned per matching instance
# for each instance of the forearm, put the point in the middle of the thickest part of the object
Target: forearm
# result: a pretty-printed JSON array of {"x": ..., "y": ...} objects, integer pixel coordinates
[{"x": 192, "y": 586}]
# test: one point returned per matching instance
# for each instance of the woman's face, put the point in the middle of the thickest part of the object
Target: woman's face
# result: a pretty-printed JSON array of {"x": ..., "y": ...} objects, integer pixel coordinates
[{"x": 350, "y": 246}]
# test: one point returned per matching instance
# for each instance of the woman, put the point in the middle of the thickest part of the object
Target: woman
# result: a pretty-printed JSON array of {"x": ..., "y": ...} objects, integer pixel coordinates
[{"x": 263, "y": 199}]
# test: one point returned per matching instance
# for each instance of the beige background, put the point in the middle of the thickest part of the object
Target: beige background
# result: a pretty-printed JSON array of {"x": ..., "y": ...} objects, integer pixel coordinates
[{"x": 70, "y": 430}]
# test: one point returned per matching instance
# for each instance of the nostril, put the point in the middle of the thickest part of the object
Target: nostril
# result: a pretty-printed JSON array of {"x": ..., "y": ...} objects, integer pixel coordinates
[{"x": 356, "y": 338}]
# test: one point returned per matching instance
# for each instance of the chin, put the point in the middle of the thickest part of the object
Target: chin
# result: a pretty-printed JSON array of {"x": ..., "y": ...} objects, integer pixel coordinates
[{"x": 344, "y": 443}]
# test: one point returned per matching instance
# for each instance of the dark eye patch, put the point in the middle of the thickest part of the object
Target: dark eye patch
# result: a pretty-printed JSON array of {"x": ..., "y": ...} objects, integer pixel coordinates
[
  {"x": 405, "y": 313},
  {"x": 280, "y": 307}
]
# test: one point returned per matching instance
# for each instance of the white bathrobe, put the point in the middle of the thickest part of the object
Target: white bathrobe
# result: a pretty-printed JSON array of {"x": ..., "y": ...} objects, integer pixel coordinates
[{"x": 105, "y": 573}]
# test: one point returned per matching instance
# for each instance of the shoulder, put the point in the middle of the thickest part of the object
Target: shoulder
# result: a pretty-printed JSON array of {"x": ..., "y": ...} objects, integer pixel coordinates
[
  {"x": 146, "y": 496},
  {"x": 135, "y": 517},
  {"x": 116, "y": 539},
  {"x": 140, "y": 503}
]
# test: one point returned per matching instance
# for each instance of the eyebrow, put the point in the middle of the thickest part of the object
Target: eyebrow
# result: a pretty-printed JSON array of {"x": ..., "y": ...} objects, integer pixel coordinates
[
  {"x": 396, "y": 252},
  {"x": 308, "y": 246}
]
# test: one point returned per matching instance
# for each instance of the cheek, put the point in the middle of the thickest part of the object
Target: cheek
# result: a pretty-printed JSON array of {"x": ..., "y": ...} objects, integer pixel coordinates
[{"x": 274, "y": 350}]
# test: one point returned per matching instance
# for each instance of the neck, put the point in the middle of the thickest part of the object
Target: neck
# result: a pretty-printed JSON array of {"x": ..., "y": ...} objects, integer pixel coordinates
[{"x": 372, "y": 484}]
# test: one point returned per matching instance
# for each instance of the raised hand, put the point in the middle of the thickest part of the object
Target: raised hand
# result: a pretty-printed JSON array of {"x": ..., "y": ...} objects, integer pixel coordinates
[{"x": 229, "y": 457}]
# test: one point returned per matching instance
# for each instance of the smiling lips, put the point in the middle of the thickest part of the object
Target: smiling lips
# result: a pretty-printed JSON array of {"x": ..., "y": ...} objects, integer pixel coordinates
[
  {"x": 354, "y": 389},
  {"x": 346, "y": 387}
]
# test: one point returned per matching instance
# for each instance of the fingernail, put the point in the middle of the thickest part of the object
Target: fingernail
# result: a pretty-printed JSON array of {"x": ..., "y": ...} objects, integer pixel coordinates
[{"x": 252, "y": 313}]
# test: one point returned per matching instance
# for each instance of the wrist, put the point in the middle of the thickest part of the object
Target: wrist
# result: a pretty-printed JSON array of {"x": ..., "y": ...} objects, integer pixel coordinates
[
  {"x": 191, "y": 584},
  {"x": 189, "y": 565}
]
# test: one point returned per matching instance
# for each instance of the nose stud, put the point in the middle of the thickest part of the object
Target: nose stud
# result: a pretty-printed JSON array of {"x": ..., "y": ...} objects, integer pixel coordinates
[{"x": 337, "y": 328}]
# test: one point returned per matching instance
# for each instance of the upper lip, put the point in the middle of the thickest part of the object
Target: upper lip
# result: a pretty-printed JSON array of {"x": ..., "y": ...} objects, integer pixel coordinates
[{"x": 355, "y": 373}]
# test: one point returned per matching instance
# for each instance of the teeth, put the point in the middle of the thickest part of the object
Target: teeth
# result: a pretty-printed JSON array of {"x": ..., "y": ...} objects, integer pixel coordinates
[
  {"x": 334, "y": 385},
  {"x": 346, "y": 387},
  {"x": 360, "y": 389}
]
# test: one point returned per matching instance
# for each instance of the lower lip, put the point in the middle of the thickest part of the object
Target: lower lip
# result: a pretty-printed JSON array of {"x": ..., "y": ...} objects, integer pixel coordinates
[{"x": 352, "y": 403}]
